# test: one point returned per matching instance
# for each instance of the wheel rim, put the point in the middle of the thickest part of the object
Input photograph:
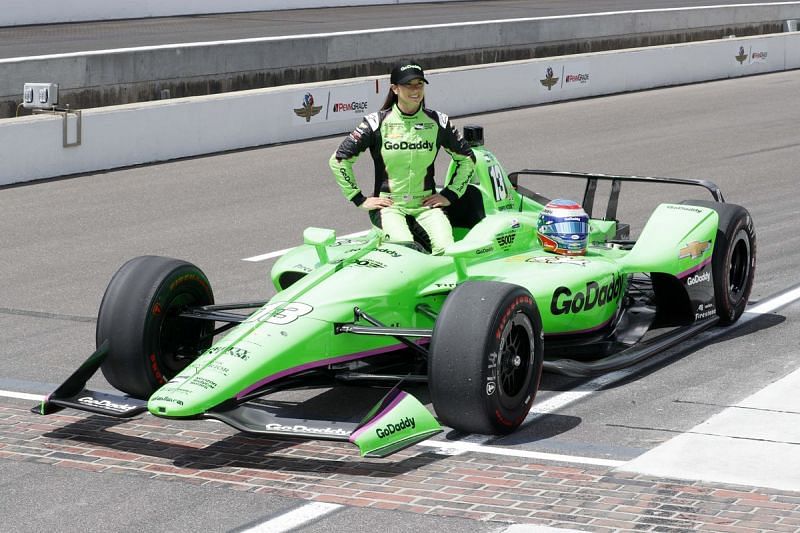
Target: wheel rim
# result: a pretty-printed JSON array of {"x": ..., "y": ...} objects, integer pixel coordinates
[
  {"x": 178, "y": 336},
  {"x": 516, "y": 360},
  {"x": 739, "y": 270}
]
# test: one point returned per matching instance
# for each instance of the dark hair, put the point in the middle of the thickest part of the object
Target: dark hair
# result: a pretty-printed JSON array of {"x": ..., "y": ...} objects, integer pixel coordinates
[{"x": 391, "y": 99}]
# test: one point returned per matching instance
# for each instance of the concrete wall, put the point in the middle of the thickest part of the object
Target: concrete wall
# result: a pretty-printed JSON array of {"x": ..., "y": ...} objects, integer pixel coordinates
[
  {"x": 31, "y": 147},
  {"x": 94, "y": 79},
  {"x": 19, "y": 12}
]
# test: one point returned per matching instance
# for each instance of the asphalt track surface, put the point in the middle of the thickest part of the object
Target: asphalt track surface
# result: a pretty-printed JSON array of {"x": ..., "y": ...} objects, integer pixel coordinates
[
  {"x": 25, "y": 41},
  {"x": 61, "y": 241}
]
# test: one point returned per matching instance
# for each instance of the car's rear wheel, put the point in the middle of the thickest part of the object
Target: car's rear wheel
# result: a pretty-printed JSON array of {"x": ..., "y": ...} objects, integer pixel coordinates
[
  {"x": 148, "y": 342},
  {"x": 733, "y": 263},
  {"x": 486, "y": 357}
]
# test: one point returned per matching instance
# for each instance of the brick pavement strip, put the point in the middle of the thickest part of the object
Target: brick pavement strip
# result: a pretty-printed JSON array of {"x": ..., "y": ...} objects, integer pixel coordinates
[{"x": 473, "y": 486}]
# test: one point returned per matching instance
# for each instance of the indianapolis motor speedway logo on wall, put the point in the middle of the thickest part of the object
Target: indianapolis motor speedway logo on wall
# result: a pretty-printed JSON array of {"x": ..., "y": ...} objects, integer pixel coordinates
[
  {"x": 549, "y": 79},
  {"x": 309, "y": 109},
  {"x": 742, "y": 57}
]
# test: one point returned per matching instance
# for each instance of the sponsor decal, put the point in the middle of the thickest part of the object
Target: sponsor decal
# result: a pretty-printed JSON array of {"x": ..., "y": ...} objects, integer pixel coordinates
[
  {"x": 342, "y": 242},
  {"x": 741, "y": 57},
  {"x": 698, "y": 278},
  {"x": 299, "y": 428},
  {"x": 204, "y": 383},
  {"x": 490, "y": 388},
  {"x": 356, "y": 107},
  {"x": 405, "y": 145},
  {"x": 705, "y": 311},
  {"x": 369, "y": 263},
  {"x": 549, "y": 79},
  {"x": 224, "y": 370},
  {"x": 106, "y": 404},
  {"x": 166, "y": 399},
  {"x": 481, "y": 251},
  {"x": 390, "y": 429},
  {"x": 389, "y": 252},
  {"x": 239, "y": 353},
  {"x": 427, "y": 126},
  {"x": 759, "y": 56},
  {"x": 594, "y": 296},
  {"x": 505, "y": 240},
  {"x": 307, "y": 109},
  {"x": 694, "y": 249},
  {"x": 685, "y": 208},
  {"x": 580, "y": 78},
  {"x": 558, "y": 260}
]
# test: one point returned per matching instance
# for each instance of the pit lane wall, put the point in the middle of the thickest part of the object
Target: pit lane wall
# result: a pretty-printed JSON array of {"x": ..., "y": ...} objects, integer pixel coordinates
[
  {"x": 21, "y": 12},
  {"x": 33, "y": 147}
]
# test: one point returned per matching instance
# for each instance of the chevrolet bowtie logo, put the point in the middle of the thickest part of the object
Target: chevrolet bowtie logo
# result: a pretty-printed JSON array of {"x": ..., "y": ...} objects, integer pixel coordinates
[{"x": 694, "y": 249}]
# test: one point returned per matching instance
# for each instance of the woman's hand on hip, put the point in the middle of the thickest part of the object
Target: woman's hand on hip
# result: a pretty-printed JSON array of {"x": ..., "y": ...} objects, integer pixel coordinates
[
  {"x": 375, "y": 202},
  {"x": 436, "y": 200}
]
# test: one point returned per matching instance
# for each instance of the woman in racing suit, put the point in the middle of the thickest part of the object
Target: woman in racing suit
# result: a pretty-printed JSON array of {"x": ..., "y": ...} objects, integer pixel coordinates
[{"x": 404, "y": 138}]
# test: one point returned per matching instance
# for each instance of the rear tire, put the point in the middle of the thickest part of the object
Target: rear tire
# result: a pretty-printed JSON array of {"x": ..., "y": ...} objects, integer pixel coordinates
[
  {"x": 148, "y": 342},
  {"x": 733, "y": 264},
  {"x": 486, "y": 357}
]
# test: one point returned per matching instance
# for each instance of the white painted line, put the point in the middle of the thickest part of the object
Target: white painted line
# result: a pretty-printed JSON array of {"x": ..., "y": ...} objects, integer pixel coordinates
[
  {"x": 769, "y": 306},
  {"x": 278, "y": 253},
  {"x": 372, "y": 30},
  {"x": 296, "y": 518},
  {"x": 22, "y": 395},
  {"x": 462, "y": 447}
]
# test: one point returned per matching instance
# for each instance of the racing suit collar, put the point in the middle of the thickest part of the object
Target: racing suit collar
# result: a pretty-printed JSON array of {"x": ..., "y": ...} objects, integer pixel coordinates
[{"x": 405, "y": 115}]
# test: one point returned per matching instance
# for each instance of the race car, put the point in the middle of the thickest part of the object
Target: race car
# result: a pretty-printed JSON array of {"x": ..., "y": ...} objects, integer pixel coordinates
[{"x": 479, "y": 324}]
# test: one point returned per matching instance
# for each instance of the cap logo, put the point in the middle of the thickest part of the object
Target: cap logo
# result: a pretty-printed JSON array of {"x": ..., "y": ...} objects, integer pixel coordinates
[{"x": 406, "y": 67}]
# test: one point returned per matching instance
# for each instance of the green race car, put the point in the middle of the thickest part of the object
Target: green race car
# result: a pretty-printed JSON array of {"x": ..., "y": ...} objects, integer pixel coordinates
[{"x": 478, "y": 324}]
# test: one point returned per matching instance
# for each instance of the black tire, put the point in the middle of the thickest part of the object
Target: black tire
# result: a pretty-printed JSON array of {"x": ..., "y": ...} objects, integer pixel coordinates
[
  {"x": 148, "y": 343},
  {"x": 486, "y": 357},
  {"x": 733, "y": 264}
]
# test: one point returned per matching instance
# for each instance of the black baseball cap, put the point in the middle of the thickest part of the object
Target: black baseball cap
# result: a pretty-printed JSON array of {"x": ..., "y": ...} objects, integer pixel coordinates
[{"x": 406, "y": 72}]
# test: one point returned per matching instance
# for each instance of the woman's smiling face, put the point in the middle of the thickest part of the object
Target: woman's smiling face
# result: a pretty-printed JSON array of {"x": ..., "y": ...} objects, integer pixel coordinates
[{"x": 410, "y": 95}]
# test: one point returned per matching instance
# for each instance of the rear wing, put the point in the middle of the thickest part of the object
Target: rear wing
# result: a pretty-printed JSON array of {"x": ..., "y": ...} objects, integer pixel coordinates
[{"x": 616, "y": 185}]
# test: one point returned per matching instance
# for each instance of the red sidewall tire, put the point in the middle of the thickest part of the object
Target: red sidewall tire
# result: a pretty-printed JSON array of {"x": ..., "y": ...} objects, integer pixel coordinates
[{"x": 138, "y": 316}]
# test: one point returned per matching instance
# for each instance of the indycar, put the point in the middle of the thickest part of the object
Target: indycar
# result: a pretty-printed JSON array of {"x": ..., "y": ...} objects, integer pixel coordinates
[{"x": 479, "y": 324}]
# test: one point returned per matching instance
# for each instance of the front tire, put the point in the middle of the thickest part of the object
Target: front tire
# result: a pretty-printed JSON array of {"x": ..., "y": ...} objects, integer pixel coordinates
[
  {"x": 486, "y": 357},
  {"x": 733, "y": 263},
  {"x": 148, "y": 342}
]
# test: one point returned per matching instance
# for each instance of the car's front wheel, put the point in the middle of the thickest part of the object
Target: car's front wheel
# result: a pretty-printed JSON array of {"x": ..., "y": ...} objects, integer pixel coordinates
[
  {"x": 148, "y": 342},
  {"x": 486, "y": 357},
  {"x": 733, "y": 263}
]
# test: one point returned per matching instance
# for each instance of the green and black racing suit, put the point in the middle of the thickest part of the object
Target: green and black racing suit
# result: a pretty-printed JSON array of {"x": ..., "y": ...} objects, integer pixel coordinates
[{"x": 404, "y": 148}]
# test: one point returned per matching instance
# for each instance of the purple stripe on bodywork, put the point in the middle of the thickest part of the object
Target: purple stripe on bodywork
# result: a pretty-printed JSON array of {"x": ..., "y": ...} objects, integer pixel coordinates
[
  {"x": 317, "y": 364},
  {"x": 399, "y": 397},
  {"x": 687, "y": 273},
  {"x": 589, "y": 330}
]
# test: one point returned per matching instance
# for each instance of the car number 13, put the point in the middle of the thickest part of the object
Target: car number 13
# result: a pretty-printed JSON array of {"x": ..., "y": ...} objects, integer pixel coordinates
[{"x": 498, "y": 183}]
